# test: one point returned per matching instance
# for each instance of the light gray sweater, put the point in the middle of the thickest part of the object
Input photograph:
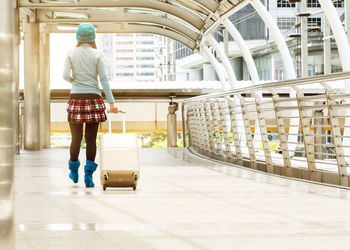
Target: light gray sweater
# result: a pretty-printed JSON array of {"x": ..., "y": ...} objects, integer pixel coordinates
[{"x": 86, "y": 64}]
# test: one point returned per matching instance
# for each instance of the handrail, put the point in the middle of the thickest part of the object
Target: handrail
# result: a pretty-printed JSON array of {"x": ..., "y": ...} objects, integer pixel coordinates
[
  {"x": 278, "y": 84},
  {"x": 297, "y": 135}
]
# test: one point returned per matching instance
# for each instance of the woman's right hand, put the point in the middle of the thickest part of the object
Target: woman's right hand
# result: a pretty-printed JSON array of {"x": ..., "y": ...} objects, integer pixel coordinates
[{"x": 113, "y": 107}]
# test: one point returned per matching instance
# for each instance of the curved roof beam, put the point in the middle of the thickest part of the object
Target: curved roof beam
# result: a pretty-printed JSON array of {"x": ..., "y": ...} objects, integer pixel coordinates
[
  {"x": 209, "y": 6},
  {"x": 126, "y": 28},
  {"x": 47, "y": 16},
  {"x": 196, "y": 20}
]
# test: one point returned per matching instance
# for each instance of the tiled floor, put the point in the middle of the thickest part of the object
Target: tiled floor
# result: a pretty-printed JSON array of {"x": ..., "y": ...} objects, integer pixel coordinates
[{"x": 182, "y": 202}]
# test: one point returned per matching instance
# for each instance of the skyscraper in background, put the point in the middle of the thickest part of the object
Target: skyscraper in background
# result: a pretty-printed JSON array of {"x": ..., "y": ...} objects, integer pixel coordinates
[{"x": 135, "y": 57}]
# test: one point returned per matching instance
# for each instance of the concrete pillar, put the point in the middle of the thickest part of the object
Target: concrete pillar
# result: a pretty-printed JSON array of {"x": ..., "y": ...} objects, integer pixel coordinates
[
  {"x": 44, "y": 88},
  {"x": 7, "y": 124},
  {"x": 171, "y": 126},
  {"x": 303, "y": 38},
  {"x": 31, "y": 87},
  {"x": 17, "y": 41}
]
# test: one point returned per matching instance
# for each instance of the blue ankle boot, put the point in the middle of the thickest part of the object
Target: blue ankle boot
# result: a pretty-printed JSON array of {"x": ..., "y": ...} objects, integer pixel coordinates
[
  {"x": 73, "y": 167},
  {"x": 89, "y": 169}
]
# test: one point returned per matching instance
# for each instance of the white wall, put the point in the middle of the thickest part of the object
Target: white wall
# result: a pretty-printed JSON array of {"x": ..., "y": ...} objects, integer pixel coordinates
[{"x": 209, "y": 73}]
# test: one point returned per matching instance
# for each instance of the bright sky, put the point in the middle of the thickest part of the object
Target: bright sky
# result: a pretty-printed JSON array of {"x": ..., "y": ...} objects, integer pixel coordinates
[{"x": 59, "y": 46}]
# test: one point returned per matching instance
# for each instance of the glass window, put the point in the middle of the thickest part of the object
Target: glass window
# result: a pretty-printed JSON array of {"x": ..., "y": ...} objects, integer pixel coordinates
[
  {"x": 285, "y": 4},
  {"x": 124, "y": 74},
  {"x": 145, "y": 58},
  {"x": 285, "y": 23},
  {"x": 314, "y": 21},
  {"x": 125, "y": 66},
  {"x": 123, "y": 42},
  {"x": 124, "y": 50},
  {"x": 145, "y": 66},
  {"x": 313, "y": 4},
  {"x": 339, "y": 4},
  {"x": 124, "y": 58},
  {"x": 145, "y": 73},
  {"x": 144, "y": 42},
  {"x": 144, "y": 35},
  {"x": 144, "y": 50}
]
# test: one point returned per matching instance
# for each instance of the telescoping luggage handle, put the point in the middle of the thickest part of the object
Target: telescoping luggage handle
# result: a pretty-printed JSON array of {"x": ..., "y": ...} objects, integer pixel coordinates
[{"x": 110, "y": 120}]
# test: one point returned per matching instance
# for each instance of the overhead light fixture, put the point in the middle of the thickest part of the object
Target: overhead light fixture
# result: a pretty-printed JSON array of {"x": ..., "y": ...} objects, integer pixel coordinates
[
  {"x": 70, "y": 27},
  {"x": 67, "y": 27},
  {"x": 68, "y": 15},
  {"x": 144, "y": 11},
  {"x": 58, "y": 1}
]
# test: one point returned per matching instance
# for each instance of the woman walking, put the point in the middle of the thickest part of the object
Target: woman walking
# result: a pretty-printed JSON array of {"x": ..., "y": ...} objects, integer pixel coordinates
[{"x": 82, "y": 66}]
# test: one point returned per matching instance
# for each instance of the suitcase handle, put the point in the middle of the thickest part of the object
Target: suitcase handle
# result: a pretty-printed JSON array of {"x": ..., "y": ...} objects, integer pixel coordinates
[{"x": 110, "y": 120}]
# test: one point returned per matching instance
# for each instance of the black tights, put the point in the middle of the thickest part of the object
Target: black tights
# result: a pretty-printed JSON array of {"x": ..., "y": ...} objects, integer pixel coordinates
[{"x": 90, "y": 138}]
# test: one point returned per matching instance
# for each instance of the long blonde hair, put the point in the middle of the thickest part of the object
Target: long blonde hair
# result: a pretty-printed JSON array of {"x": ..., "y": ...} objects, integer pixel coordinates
[{"x": 93, "y": 44}]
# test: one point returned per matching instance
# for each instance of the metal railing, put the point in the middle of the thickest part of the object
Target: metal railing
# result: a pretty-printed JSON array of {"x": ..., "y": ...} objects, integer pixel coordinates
[{"x": 298, "y": 128}]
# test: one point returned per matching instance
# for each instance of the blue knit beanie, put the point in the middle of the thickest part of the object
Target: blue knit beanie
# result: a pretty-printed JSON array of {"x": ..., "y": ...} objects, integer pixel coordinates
[{"x": 85, "y": 33}]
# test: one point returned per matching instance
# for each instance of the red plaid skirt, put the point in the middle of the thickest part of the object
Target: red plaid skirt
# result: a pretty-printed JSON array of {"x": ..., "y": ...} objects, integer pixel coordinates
[{"x": 86, "y": 110}]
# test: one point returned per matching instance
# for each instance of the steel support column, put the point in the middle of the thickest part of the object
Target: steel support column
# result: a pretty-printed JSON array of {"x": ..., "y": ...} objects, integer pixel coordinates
[
  {"x": 44, "y": 88},
  {"x": 224, "y": 59},
  {"x": 7, "y": 124},
  {"x": 217, "y": 66},
  {"x": 277, "y": 36},
  {"x": 247, "y": 56},
  {"x": 286, "y": 59},
  {"x": 31, "y": 87}
]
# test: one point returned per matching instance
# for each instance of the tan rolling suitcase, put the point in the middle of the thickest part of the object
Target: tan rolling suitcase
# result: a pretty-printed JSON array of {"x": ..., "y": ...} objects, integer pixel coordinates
[{"x": 119, "y": 158}]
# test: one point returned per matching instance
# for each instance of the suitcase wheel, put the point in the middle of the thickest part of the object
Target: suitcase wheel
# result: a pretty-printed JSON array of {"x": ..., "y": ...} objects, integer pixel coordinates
[
  {"x": 104, "y": 187},
  {"x": 134, "y": 187}
]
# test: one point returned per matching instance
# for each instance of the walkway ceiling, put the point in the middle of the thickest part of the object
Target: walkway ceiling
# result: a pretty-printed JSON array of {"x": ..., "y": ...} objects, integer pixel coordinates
[{"x": 183, "y": 20}]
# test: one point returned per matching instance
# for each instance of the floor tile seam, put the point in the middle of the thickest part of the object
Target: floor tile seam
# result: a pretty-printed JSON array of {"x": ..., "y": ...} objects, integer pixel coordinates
[
  {"x": 140, "y": 219},
  {"x": 66, "y": 211},
  {"x": 232, "y": 203}
]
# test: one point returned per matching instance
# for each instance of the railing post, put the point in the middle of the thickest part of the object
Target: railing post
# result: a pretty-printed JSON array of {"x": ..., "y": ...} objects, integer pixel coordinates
[
  {"x": 263, "y": 132},
  {"x": 203, "y": 142},
  {"x": 336, "y": 135},
  {"x": 232, "y": 105},
  {"x": 216, "y": 120},
  {"x": 183, "y": 125},
  {"x": 248, "y": 132},
  {"x": 226, "y": 128},
  {"x": 203, "y": 125},
  {"x": 188, "y": 124},
  {"x": 308, "y": 138},
  {"x": 208, "y": 126},
  {"x": 282, "y": 135},
  {"x": 191, "y": 124}
]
